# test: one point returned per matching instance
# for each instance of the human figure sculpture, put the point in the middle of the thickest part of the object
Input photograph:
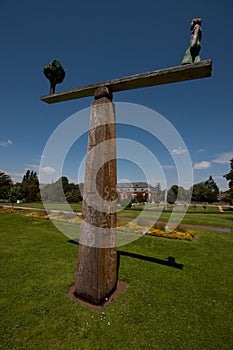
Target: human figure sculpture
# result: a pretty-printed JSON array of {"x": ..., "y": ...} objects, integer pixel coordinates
[
  {"x": 55, "y": 73},
  {"x": 192, "y": 53}
]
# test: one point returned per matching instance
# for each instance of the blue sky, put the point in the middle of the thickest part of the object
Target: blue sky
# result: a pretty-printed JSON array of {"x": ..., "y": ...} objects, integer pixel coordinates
[{"x": 101, "y": 40}]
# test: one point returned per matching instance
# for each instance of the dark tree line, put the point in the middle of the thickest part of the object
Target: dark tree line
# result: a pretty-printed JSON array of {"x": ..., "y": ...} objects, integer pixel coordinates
[
  {"x": 229, "y": 177},
  {"x": 5, "y": 185},
  {"x": 28, "y": 190},
  {"x": 206, "y": 192},
  {"x": 62, "y": 190},
  {"x": 30, "y": 187}
]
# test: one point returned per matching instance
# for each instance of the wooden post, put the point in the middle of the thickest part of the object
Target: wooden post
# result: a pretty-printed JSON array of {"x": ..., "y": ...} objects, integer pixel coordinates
[{"x": 96, "y": 275}]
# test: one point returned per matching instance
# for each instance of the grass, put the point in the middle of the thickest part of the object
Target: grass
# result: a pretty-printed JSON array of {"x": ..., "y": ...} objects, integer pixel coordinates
[
  {"x": 162, "y": 308},
  {"x": 215, "y": 220},
  {"x": 203, "y": 209},
  {"x": 209, "y": 216},
  {"x": 56, "y": 206},
  {"x": 206, "y": 219},
  {"x": 196, "y": 215}
]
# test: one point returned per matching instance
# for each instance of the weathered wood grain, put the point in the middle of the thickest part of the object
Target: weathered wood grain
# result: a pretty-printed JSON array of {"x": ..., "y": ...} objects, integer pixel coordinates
[
  {"x": 96, "y": 275},
  {"x": 198, "y": 70}
]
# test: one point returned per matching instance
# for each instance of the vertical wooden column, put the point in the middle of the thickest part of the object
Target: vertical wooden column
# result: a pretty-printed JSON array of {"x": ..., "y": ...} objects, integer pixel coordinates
[{"x": 96, "y": 275}]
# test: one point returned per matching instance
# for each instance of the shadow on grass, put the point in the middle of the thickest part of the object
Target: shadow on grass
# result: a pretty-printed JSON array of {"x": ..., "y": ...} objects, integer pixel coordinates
[{"x": 170, "y": 261}]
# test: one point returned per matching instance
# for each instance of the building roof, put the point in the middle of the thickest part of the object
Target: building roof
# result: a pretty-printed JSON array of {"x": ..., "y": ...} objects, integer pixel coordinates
[{"x": 133, "y": 185}]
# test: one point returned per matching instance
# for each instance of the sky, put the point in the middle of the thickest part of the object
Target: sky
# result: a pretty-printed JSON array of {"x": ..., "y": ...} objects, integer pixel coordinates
[{"x": 102, "y": 40}]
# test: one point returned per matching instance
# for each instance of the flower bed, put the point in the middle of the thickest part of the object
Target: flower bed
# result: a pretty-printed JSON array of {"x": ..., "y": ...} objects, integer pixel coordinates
[
  {"x": 72, "y": 219},
  {"x": 130, "y": 226},
  {"x": 122, "y": 225},
  {"x": 38, "y": 215},
  {"x": 187, "y": 235},
  {"x": 11, "y": 210},
  {"x": 157, "y": 230}
]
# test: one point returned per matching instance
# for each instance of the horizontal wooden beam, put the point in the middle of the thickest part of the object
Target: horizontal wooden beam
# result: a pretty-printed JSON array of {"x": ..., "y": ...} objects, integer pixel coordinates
[{"x": 202, "y": 69}]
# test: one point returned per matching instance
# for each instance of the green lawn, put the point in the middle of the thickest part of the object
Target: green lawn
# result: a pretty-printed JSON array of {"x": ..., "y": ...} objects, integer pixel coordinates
[
  {"x": 207, "y": 218},
  {"x": 162, "y": 308},
  {"x": 203, "y": 209},
  {"x": 54, "y": 206}
]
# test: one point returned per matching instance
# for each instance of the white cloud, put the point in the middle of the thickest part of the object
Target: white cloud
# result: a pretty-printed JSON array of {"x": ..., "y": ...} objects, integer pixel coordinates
[
  {"x": 5, "y": 143},
  {"x": 75, "y": 180},
  {"x": 32, "y": 166},
  {"x": 178, "y": 151},
  {"x": 223, "y": 158},
  {"x": 48, "y": 170},
  {"x": 218, "y": 177},
  {"x": 202, "y": 165}
]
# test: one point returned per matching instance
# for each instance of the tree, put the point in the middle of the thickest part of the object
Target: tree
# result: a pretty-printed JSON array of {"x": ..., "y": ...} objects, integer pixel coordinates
[
  {"x": 30, "y": 185},
  {"x": 212, "y": 186},
  {"x": 73, "y": 194},
  {"x": 5, "y": 185},
  {"x": 26, "y": 176},
  {"x": 183, "y": 195},
  {"x": 200, "y": 193},
  {"x": 64, "y": 182},
  {"x": 53, "y": 192},
  {"x": 5, "y": 180},
  {"x": 30, "y": 178},
  {"x": 62, "y": 190},
  {"x": 157, "y": 194},
  {"x": 229, "y": 177},
  {"x": 55, "y": 73},
  {"x": 19, "y": 191},
  {"x": 205, "y": 191},
  {"x": 16, "y": 192},
  {"x": 81, "y": 187},
  {"x": 12, "y": 196},
  {"x": 172, "y": 194}
]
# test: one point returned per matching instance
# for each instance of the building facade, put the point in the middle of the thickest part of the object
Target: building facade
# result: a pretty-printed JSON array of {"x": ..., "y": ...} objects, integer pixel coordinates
[{"x": 132, "y": 189}]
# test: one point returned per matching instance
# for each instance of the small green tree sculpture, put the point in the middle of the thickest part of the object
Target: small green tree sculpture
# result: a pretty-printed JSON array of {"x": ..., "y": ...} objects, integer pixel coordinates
[{"x": 55, "y": 73}]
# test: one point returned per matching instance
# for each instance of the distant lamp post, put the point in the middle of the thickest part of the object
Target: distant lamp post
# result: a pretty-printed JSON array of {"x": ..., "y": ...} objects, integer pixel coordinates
[
  {"x": 55, "y": 73},
  {"x": 165, "y": 200}
]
